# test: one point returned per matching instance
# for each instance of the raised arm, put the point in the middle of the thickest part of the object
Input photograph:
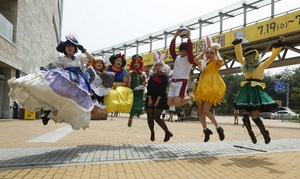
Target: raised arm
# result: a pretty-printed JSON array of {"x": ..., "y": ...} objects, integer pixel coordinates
[
  {"x": 190, "y": 49},
  {"x": 84, "y": 51},
  {"x": 276, "y": 48},
  {"x": 173, "y": 46},
  {"x": 199, "y": 58},
  {"x": 238, "y": 50}
]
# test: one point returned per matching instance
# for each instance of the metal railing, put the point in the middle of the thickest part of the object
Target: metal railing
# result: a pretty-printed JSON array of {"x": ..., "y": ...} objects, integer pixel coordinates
[{"x": 289, "y": 117}]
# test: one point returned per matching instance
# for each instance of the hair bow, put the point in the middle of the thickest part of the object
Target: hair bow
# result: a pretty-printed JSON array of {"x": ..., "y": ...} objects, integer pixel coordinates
[{"x": 120, "y": 55}]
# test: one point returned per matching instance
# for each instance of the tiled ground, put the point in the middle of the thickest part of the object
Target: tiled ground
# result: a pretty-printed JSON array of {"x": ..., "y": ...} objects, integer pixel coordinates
[{"x": 110, "y": 149}]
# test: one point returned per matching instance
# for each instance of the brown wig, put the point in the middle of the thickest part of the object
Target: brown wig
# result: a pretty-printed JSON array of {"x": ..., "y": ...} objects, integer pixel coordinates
[{"x": 93, "y": 64}]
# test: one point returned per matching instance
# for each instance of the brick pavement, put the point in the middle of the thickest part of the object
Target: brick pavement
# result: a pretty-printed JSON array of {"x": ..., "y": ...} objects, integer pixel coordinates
[{"x": 110, "y": 149}]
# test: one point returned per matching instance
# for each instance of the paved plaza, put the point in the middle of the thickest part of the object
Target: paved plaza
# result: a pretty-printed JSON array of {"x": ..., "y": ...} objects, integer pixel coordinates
[{"x": 110, "y": 149}]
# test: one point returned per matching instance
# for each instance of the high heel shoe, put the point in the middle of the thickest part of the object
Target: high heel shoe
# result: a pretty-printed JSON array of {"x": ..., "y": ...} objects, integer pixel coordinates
[
  {"x": 207, "y": 133},
  {"x": 168, "y": 135},
  {"x": 220, "y": 131},
  {"x": 45, "y": 118},
  {"x": 152, "y": 137}
]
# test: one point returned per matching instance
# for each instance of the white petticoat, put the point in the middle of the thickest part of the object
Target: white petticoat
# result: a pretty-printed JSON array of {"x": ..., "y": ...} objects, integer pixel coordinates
[{"x": 33, "y": 93}]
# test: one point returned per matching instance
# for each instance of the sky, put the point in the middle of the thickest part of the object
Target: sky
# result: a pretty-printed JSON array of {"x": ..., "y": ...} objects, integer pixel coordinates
[
  {"x": 99, "y": 24},
  {"x": 104, "y": 23}
]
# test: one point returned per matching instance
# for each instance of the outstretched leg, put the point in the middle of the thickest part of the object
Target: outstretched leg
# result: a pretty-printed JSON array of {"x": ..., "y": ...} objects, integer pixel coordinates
[
  {"x": 262, "y": 128},
  {"x": 179, "y": 101},
  {"x": 247, "y": 124}
]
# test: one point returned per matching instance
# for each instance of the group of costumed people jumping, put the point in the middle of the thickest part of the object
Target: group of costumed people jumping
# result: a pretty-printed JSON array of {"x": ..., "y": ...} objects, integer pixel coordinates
[{"x": 67, "y": 93}]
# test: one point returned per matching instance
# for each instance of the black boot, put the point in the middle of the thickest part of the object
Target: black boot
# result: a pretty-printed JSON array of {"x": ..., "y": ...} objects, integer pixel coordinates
[
  {"x": 167, "y": 136},
  {"x": 152, "y": 137},
  {"x": 207, "y": 133},
  {"x": 220, "y": 131},
  {"x": 45, "y": 118},
  {"x": 262, "y": 129},
  {"x": 246, "y": 122}
]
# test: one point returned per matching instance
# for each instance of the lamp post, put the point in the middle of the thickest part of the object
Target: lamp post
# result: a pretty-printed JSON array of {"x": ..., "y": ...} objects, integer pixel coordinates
[{"x": 287, "y": 94}]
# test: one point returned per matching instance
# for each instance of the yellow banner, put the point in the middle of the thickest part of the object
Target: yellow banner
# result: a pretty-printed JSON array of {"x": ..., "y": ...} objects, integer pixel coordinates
[
  {"x": 148, "y": 59},
  {"x": 198, "y": 46},
  {"x": 278, "y": 26}
]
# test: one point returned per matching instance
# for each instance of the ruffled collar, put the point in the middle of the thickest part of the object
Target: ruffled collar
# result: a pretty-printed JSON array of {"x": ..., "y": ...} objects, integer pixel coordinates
[{"x": 116, "y": 71}]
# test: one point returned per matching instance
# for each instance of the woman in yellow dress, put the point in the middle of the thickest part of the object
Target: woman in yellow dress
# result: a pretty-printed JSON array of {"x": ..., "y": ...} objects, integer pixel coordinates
[
  {"x": 120, "y": 97},
  {"x": 211, "y": 87}
]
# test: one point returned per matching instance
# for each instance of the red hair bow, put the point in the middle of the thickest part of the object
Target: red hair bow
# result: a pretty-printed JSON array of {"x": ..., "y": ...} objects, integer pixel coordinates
[{"x": 120, "y": 55}]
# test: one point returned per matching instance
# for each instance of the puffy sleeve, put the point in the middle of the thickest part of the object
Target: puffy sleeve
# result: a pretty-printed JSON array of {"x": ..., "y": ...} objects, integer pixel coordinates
[
  {"x": 91, "y": 73},
  {"x": 108, "y": 79},
  {"x": 125, "y": 73},
  {"x": 59, "y": 63},
  {"x": 83, "y": 59}
]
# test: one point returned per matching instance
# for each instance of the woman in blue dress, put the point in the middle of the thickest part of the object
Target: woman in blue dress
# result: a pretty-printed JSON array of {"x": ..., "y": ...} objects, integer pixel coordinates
[{"x": 120, "y": 98}]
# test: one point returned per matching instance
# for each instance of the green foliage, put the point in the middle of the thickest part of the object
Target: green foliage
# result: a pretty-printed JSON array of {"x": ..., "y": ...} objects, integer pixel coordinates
[
  {"x": 295, "y": 98},
  {"x": 232, "y": 87}
]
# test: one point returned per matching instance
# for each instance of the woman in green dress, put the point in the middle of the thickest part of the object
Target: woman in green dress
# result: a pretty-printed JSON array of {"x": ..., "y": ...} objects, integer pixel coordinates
[
  {"x": 137, "y": 82},
  {"x": 252, "y": 98}
]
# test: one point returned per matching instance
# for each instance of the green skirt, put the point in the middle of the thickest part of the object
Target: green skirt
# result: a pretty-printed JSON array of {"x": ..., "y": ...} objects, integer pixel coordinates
[
  {"x": 254, "y": 98},
  {"x": 138, "y": 103}
]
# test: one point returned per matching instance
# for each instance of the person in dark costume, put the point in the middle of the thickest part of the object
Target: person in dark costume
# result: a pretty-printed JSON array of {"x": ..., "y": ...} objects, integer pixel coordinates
[{"x": 156, "y": 100}]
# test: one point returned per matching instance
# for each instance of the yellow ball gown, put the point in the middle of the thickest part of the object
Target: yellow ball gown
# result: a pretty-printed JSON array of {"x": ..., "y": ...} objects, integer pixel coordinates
[{"x": 211, "y": 87}]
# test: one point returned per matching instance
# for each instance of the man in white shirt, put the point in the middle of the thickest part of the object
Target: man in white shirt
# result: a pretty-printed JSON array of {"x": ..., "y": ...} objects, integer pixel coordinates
[{"x": 182, "y": 66}]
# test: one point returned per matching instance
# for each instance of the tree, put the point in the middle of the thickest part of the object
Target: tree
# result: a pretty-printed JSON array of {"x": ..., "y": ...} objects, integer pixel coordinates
[
  {"x": 295, "y": 97},
  {"x": 232, "y": 88}
]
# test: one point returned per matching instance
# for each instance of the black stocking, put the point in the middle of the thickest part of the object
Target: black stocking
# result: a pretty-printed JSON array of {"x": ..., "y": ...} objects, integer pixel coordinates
[
  {"x": 150, "y": 117},
  {"x": 160, "y": 122}
]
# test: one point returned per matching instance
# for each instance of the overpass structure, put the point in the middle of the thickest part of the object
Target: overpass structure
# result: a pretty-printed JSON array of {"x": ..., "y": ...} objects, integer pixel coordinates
[{"x": 259, "y": 34}]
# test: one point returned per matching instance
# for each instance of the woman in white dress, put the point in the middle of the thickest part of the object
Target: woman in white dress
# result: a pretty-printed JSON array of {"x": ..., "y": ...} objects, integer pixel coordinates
[{"x": 63, "y": 88}]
